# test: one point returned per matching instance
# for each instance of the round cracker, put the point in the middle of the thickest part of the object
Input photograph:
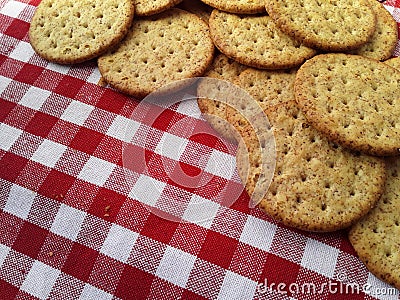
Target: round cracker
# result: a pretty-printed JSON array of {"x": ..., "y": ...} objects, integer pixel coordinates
[
  {"x": 376, "y": 238},
  {"x": 222, "y": 68},
  {"x": 158, "y": 50},
  {"x": 317, "y": 186},
  {"x": 383, "y": 41},
  {"x": 152, "y": 7},
  {"x": 238, "y": 6},
  {"x": 68, "y": 31},
  {"x": 353, "y": 100},
  {"x": 256, "y": 41},
  {"x": 327, "y": 25},
  {"x": 198, "y": 8},
  {"x": 393, "y": 62}
]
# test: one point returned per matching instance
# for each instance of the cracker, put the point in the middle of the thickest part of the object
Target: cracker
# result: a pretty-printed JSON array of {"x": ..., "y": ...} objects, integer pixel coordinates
[
  {"x": 214, "y": 111},
  {"x": 198, "y": 8},
  {"x": 152, "y": 7},
  {"x": 68, "y": 31},
  {"x": 327, "y": 25},
  {"x": 376, "y": 237},
  {"x": 353, "y": 100},
  {"x": 256, "y": 41},
  {"x": 383, "y": 41},
  {"x": 393, "y": 62},
  {"x": 158, "y": 50},
  {"x": 238, "y": 6},
  {"x": 267, "y": 87},
  {"x": 317, "y": 186}
]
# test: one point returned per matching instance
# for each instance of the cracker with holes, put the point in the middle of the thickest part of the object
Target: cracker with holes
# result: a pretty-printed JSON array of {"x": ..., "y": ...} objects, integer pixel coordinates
[
  {"x": 68, "y": 31},
  {"x": 148, "y": 8},
  {"x": 376, "y": 238},
  {"x": 222, "y": 68},
  {"x": 238, "y": 6},
  {"x": 198, "y": 8},
  {"x": 317, "y": 186},
  {"x": 327, "y": 25},
  {"x": 353, "y": 100},
  {"x": 256, "y": 41},
  {"x": 158, "y": 50},
  {"x": 393, "y": 62},
  {"x": 383, "y": 41}
]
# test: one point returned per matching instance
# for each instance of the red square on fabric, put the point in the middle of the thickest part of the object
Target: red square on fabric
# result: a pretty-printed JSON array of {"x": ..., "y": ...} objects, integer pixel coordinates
[
  {"x": 56, "y": 185},
  {"x": 112, "y": 101},
  {"x": 107, "y": 204},
  {"x": 6, "y": 107},
  {"x": 55, "y": 250},
  {"x": 9, "y": 229},
  {"x": 7, "y": 291},
  {"x": 134, "y": 284},
  {"x": 11, "y": 166},
  {"x": 218, "y": 249},
  {"x": 30, "y": 239},
  {"x": 86, "y": 140},
  {"x": 80, "y": 262},
  {"x": 17, "y": 29},
  {"x": 159, "y": 229},
  {"x": 41, "y": 124},
  {"x": 33, "y": 175},
  {"x": 69, "y": 86},
  {"x": 29, "y": 74}
]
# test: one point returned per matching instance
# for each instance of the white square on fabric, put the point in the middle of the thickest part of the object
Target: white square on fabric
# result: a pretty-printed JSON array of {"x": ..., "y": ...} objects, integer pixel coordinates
[
  {"x": 258, "y": 233},
  {"x": 237, "y": 287},
  {"x": 201, "y": 211},
  {"x": 175, "y": 266},
  {"x": 4, "y": 250},
  {"x": 68, "y": 222},
  {"x": 320, "y": 258},
  {"x": 123, "y": 128},
  {"x": 8, "y": 136},
  {"x": 221, "y": 164},
  {"x": 13, "y": 9},
  {"x": 48, "y": 153},
  {"x": 63, "y": 69},
  {"x": 189, "y": 107},
  {"x": 119, "y": 243},
  {"x": 77, "y": 112},
  {"x": 379, "y": 289},
  {"x": 34, "y": 98},
  {"x": 96, "y": 171},
  {"x": 22, "y": 52},
  {"x": 171, "y": 146},
  {"x": 4, "y": 82},
  {"x": 147, "y": 190},
  {"x": 40, "y": 280},
  {"x": 19, "y": 201},
  {"x": 95, "y": 76},
  {"x": 90, "y": 292}
]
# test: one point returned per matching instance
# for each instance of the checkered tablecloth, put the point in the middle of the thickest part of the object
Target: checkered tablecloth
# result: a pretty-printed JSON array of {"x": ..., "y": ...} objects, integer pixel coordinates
[{"x": 105, "y": 197}]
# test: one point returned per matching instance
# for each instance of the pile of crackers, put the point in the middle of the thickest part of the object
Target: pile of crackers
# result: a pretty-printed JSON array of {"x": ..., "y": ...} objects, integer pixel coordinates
[{"x": 321, "y": 71}]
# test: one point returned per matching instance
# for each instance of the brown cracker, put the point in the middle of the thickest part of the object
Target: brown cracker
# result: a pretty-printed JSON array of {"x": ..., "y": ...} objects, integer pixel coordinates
[
  {"x": 256, "y": 41},
  {"x": 383, "y": 41},
  {"x": 152, "y": 7},
  {"x": 197, "y": 7},
  {"x": 393, "y": 62},
  {"x": 222, "y": 68},
  {"x": 376, "y": 238},
  {"x": 158, "y": 50},
  {"x": 317, "y": 186},
  {"x": 238, "y": 6},
  {"x": 68, "y": 31},
  {"x": 328, "y": 25},
  {"x": 352, "y": 100}
]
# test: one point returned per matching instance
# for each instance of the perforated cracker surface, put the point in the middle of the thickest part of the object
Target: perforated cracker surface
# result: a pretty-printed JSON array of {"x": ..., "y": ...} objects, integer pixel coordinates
[
  {"x": 353, "y": 100},
  {"x": 70, "y": 31},
  {"x": 152, "y": 7},
  {"x": 393, "y": 62},
  {"x": 376, "y": 238},
  {"x": 256, "y": 41},
  {"x": 158, "y": 50},
  {"x": 238, "y": 6},
  {"x": 317, "y": 186},
  {"x": 327, "y": 25}
]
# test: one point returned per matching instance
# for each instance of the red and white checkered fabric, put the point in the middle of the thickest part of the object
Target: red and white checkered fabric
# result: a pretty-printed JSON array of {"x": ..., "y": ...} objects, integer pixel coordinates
[{"x": 73, "y": 224}]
